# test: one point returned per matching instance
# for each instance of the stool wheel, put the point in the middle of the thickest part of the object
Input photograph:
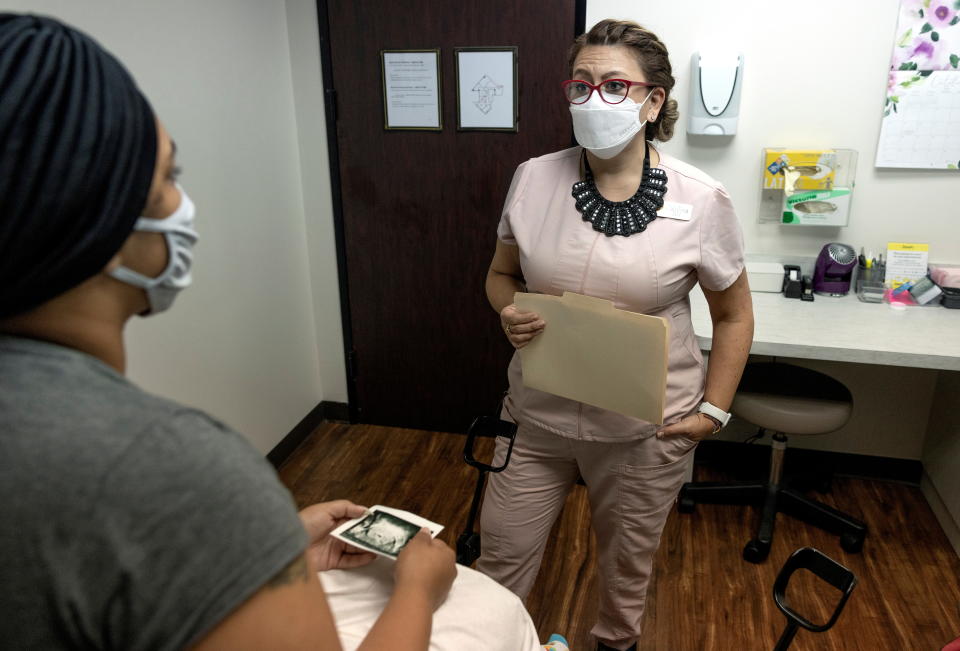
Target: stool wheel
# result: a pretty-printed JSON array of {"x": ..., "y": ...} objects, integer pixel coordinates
[
  {"x": 851, "y": 542},
  {"x": 686, "y": 503},
  {"x": 756, "y": 551}
]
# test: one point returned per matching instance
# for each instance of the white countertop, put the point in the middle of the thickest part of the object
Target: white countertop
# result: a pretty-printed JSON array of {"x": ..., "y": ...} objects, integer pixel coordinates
[{"x": 846, "y": 330}]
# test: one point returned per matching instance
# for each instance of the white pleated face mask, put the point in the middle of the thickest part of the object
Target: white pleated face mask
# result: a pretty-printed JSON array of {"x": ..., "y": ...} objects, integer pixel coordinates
[
  {"x": 606, "y": 129},
  {"x": 181, "y": 237}
]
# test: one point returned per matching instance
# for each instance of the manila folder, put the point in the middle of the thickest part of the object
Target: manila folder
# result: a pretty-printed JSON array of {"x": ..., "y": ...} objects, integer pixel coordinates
[{"x": 594, "y": 353}]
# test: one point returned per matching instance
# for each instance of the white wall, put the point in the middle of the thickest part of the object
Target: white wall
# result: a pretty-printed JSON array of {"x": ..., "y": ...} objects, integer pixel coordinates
[
  {"x": 241, "y": 343},
  {"x": 317, "y": 202},
  {"x": 941, "y": 454},
  {"x": 815, "y": 76}
]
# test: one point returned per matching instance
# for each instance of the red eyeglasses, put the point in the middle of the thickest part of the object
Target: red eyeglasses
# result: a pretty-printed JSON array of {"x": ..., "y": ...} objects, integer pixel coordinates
[{"x": 612, "y": 91}]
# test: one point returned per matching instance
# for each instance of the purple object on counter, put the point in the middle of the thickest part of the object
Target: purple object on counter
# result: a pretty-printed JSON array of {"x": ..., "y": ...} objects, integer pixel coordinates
[{"x": 833, "y": 269}]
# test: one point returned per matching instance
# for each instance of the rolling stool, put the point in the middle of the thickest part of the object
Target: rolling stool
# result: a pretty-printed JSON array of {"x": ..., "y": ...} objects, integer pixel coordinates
[{"x": 783, "y": 398}]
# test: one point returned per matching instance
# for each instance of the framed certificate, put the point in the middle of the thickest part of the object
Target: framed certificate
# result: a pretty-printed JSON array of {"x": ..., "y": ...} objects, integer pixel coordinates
[
  {"x": 411, "y": 89},
  {"x": 486, "y": 88}
]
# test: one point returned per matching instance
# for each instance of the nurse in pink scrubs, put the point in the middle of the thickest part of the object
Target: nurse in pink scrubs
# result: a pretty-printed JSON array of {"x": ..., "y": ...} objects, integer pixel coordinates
[{"x": 617, "y": 219}]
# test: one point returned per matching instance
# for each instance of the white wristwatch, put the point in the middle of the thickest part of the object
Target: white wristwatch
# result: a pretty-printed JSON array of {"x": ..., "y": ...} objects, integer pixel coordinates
[{"x": 722, "y": 417}]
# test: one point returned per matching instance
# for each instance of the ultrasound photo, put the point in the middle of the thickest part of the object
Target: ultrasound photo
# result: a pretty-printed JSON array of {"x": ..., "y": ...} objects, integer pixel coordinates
[{"x": 382, "y": 531}]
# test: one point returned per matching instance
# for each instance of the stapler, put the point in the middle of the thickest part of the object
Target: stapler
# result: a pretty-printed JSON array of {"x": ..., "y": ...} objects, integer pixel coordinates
[{"x": 807, "y": 292}]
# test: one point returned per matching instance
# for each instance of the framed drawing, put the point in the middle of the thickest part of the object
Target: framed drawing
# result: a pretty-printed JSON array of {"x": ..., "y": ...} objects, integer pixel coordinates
[
  {"x": 486, "y": 88},
  {"x": 411, "y": 89}
]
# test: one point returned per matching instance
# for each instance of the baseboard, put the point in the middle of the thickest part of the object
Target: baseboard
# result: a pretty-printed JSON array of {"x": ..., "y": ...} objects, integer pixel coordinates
[
  {"x": 336, "y": 411},
  {"x": 947, "y": 523},
  {"x": 325, "y": 411},
  {"x": 754, "y": 459}
]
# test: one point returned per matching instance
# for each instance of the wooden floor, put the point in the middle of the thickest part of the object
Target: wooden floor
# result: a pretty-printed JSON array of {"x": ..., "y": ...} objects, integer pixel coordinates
[{"x": 703, "y": 596}]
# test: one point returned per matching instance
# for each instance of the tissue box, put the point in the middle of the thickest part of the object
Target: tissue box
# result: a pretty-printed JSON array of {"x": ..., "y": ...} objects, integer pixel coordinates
[
  {"x": 765, "y": 276},
  {"x": 945, "y": 275}
]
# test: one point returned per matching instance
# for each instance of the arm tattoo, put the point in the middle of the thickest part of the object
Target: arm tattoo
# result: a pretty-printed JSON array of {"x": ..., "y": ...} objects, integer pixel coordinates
[{"x": 298, "y": 570}]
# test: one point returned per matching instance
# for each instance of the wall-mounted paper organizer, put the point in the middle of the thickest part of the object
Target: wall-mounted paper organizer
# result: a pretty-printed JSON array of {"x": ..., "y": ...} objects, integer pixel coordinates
[{"x": 807, "y": 187}]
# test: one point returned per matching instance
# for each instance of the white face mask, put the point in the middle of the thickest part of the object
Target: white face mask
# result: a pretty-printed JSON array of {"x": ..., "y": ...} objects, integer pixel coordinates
[
  {"x": 606, "y": 129},
  {"x": 180, "y": 235}
]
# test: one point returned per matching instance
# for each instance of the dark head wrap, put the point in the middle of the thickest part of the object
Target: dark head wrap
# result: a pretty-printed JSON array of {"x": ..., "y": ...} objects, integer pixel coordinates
[{"x": 78, "y": 147}]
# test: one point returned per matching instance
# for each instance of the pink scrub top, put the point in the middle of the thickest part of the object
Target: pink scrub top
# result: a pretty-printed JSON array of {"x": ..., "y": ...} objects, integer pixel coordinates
[{"x": 650, "y": 272}]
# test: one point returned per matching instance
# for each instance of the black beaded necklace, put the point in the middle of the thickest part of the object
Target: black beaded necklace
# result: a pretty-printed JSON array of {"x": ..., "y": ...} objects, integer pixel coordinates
[{"x": 622, "y": 217}]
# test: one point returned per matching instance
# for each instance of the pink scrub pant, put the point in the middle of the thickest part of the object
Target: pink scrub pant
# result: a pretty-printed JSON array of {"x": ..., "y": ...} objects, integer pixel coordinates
[{"x": 631, "y": 486}]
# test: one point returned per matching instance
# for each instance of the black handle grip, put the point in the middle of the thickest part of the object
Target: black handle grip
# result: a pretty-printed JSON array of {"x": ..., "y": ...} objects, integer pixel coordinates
[{"x": 489, "y": 427}]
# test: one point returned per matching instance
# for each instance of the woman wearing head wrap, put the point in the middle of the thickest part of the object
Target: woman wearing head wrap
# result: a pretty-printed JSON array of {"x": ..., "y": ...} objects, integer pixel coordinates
[
  {"x": 130, "y": 521},
  {"x": 79, "y": 153}
]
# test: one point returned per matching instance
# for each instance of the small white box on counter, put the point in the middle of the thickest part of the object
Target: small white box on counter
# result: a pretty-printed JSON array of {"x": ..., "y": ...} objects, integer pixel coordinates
[{"x": 765, "y": 276}]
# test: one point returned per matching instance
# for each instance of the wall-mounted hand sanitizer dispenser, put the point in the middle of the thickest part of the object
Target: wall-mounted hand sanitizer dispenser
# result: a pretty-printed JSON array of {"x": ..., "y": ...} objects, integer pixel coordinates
[{"x": 715, "y": 82}]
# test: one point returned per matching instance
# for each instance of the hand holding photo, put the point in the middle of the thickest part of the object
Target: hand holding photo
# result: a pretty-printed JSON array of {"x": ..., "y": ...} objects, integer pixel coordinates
[{"x": 383, "y": 530}]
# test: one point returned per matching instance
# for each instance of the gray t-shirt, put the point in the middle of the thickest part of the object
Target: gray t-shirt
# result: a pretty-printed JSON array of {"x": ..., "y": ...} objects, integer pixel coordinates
[{"x": 126, "y": 521}]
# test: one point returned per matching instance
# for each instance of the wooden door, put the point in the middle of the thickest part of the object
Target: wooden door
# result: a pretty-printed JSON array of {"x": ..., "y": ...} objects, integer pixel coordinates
[{"x": 419, "y": 210}]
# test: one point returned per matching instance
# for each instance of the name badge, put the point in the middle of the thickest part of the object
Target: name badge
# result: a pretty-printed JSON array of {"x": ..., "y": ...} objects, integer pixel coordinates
[{"x": 673, "y": 210}]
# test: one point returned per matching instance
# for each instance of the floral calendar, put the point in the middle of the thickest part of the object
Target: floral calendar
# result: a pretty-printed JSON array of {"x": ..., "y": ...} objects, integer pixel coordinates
[{"x": 921, "y": 115}]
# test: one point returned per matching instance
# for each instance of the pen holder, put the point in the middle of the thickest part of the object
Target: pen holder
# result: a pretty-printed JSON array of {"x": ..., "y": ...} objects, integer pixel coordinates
[{"x": 869, "y": 284}]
